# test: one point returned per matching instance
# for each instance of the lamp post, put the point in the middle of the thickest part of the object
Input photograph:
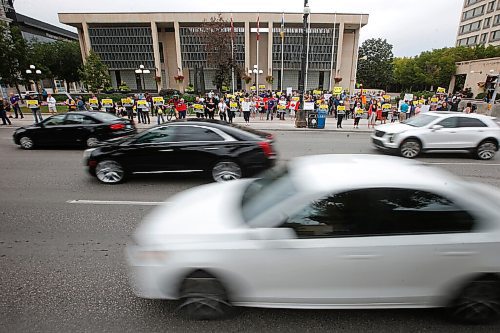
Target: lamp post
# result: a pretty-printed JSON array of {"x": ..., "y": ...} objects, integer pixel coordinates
[
  {"x": 141, "y": 71},
  {"x": 300, "y": 120},
  {"x": 256, "y": 71},
  {"x": 35, "y": 72}
]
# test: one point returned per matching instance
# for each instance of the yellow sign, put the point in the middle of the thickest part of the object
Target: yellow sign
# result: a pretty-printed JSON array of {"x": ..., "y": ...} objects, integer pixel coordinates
[
  {"x": 233, "y": 105},
  {"x": 278, "y": 94},
  {"x": 107, "y": 102},
  {"x": 281, "y": 107},
  {"x": 237, "y": 93},
  {"x": 441, "y": 90},
  {"x": 387, "y": 97},
  {"x": 32, "y": 103},
  {"x": 386, "y": 106},
  {"x": 93, "y": 102},
  {"x": 296, "y": 98},
  {"x": 434, "y": 99},
  {"x": 341, "y": 108},
  {"x": 262, "y": 86},
  {"x": 158, "y": 101},
  {"x": 324, "y": 106},
  {"x": 337, "y": 90},
  {"x": 242, "y": 100},
  {"x": 230, "y": 96},
  {"x": 198, "y": 106},
  {"x": 127, "y": 102},
  {"x": 316, "y": 92},
  {"x": 142, "y": 104},
  {"x": 253, "y": 88}
]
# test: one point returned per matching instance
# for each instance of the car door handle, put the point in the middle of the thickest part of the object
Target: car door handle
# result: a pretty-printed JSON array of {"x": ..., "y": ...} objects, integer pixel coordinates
[
  {"x": 166, "y": 150},
  {"x": 211, "y": 148},
  {"x": 457, "y": 253},
  {"x": 360, "y": 256}
]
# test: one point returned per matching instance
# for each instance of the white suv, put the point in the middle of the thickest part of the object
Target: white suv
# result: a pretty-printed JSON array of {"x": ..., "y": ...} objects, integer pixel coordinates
[{"x": 440, "y": 131}]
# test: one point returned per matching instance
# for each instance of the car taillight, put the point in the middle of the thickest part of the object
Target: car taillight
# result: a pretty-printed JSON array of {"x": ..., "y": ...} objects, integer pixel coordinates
[
  {"x": 266, "y": 148},
  {"x": 118, "y": 126}
]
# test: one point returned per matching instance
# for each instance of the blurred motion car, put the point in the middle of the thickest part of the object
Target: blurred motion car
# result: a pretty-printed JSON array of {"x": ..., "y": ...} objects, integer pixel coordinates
[
  {"x": 323, "y": 233},
  {"x": 225, "y": 152},
  {"x": 440, "y": 131},
  {"x": 86, "y": 129}
]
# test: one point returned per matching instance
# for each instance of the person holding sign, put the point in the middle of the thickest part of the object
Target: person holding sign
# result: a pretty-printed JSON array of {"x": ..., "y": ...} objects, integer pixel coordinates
[
  {"x": 94, "y": 103},
  {"x": 233, "y": 107},
  {"x": 358, "y": 113},
  {"x": 385, "y": 111},
  {"x": 51, "y": 103},
  {"x": 3, "y": 113},
  {"x": 33, "y": 104},
  {"x": 340, "y": 114}
]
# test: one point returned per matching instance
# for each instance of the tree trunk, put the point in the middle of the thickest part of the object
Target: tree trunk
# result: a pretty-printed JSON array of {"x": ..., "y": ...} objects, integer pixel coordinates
[
  {"x": 19, "y": 92},
  {"x": 67, "y": 86}
]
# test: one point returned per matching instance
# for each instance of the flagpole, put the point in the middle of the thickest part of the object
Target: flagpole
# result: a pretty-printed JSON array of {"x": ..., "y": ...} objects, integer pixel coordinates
[
  {"x": 307, "y": 52},
  {"x": 257, "y": 75},
  {"x": 282, "y": 45},
  {"x": 232, "y": 51},
  {"x": 332, "y": 75}
]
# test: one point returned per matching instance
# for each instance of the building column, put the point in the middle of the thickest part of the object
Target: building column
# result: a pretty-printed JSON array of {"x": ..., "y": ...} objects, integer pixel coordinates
[
  {"x": 270, "y": 52},
  {"x": 247, "y": 51},
  {"x": 156, "y": 53},
  {"x": 86, "y": 38},
  {"x": 83, "y": 47},
  {"x": 178, "y": 52},
  {"x": 338, "y": 62},
  {"x": 354, "y": 66}
]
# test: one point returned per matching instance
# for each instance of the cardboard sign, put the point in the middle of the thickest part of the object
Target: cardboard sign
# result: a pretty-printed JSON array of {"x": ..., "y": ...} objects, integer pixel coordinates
[
  {"x": 386, "y": 106},
  {"x": 278, "y": 94},
  {"x": 408, "y": 97},
  {"x": 289, "y": 91},
  {"x": 262, "y": 86},
  {"x": 230, "y": 96},
  {"x": 296, "y": 98},
  {"x": 327, "y": 96},
  {"x": 441, "y": 90},
  {"x": 387, "y": 97},
  {"x": 434, "y": 100},
  {"x": 158, "y": 101},
  {"x": 337, "y": 90},
  {"x": 341, "y": 108},
  {"x": 127, "y": 102},
  {"x": 32, "y": 104},
  {"x": 242, "y": 100},
  {"x": 316, "y": 92},
  {"x": 309, "y": 106},
  {"x": 233, "y": 105},
  {"x": 421, "y": 102},
  {"x": 198, "y": 106},
  {"x": 323, "y": 107},
  {"x": 142, "y": 104},
  {"x": 93, "y": 102},
  {"x": 107, "y": 103},
  {"x": 281, "y": 107},
  {"x": 253, "y": 88}
]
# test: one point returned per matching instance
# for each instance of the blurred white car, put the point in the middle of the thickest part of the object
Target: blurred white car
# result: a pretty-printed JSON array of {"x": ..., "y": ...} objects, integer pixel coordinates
[
  {"x": 440, "y": 131},
  {"x": 326, "y": 232}
]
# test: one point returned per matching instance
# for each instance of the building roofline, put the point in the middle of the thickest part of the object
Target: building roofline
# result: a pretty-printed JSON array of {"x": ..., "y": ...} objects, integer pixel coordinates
[
  {"x": 477, "y": 60},
  {"x": 208, "y": 12},
  {"x": 29, "y": 21}
]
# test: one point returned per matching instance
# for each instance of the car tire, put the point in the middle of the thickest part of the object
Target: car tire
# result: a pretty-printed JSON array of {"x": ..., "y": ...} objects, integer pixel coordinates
[
  {"x": 26, "y": 142},
  {"x": 410, "y": 148},
  {"x": 226, "y": 170},
  {"x": 486, "y": 150},
  {"x": 110, "y": 172},
  {"x": 92, "y": 142},
  {"x": 203, "y": 297},
  {"x": 478, "y": 302}
]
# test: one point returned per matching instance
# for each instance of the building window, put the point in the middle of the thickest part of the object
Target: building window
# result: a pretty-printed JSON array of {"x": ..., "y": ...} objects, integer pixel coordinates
[
  {"x": 491, "y": 6},
  {"x": 495, "y": 35},
  {"x": 496, "y": 20},
  {"x": 484, "y": 38},
  {"x": 474, "y": 26},
  {"x": 162, "y": 58},
  {"x": 487, "y": 22},
  {"x": 471, "y": 2},
  {"x": 475, "y": 12}
]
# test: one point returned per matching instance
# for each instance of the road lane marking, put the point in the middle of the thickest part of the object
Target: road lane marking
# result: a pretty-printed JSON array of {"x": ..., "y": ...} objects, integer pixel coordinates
[
  {"x": 116, "y": 202},
  {"x": 462, "y": 163}
]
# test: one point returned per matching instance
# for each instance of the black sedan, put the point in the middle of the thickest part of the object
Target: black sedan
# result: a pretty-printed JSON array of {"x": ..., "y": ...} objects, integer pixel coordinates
[
  {"x": 73, "y": 128},
  {"x": 223, "y": 151}
]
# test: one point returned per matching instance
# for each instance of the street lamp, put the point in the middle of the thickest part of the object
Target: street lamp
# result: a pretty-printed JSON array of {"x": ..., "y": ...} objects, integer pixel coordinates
[
  {"x": 256, "y": 71},
  {"x": 35, "y": 72},
  {"x": 141, "y": 71},
  {"x": 300, "y": 120}
]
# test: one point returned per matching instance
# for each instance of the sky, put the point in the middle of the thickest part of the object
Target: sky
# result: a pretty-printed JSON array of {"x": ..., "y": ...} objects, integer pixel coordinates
[{"x": 411, "y": 26}]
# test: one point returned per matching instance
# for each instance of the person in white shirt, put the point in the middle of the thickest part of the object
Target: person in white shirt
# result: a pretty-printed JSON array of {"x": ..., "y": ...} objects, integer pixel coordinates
[
  {"x": 51, "y": 102},
  {"x": 245, "y": 107},
  {"x": 222, "y": 106}
]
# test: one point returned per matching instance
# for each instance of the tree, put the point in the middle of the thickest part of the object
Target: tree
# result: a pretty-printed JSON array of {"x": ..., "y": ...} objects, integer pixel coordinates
[
  {"x": 13, "y": 55},
  {"x": 95, "y": 73},
  {"x": 376, "y": 70},
  {"x": 215, "y": 35}
]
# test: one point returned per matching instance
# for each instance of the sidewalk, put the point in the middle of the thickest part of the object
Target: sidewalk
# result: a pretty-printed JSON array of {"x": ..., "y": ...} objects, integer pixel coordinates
[{"x": 270, "y": 125}]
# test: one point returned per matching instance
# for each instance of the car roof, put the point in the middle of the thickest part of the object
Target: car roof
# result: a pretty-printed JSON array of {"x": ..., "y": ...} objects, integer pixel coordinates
[
  {"x": 445, "y": 114},
  {"x": 222, "y": 125},
  {"x": 351, "y": 171}
]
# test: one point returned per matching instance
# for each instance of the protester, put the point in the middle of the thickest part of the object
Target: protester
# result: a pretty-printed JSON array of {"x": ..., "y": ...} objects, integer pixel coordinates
[
  {"x": 70, "y": 102},
  {"x": 340, "y": 114},
  {"x": 37, "y": 114},
  {"x": 80, "y": 104},
  {"x": 3, "y": 113},
  {"x": 358, "y": 113},
  {"x": 468, "y": 108},
  {"x": 181, "y": 108},
  {"x": 210, "y": 105},
  {"x": 403, "y": 111},
  {"x": 51, "y": 103},
  {"x": 222, "y": 107},
  {"x": 245, "y": 107},
  {"x": 14, "y": 103},
  {"x": 372, "y": 114}
]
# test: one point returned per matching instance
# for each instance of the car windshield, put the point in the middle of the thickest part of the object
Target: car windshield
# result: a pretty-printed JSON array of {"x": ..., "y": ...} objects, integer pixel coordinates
[
  {"x": 420, "y": 120},
  {"x": 263, "y": 193},
  {"x": 103, "y": 116}
]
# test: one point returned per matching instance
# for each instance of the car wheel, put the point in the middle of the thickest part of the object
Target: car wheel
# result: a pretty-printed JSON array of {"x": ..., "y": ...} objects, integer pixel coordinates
[
  {"x": 224, "y": 171},
  {"x": 478, "y": 302},
  {"x": 410, "y": 148},
  {"x": 486, "y": 150},
  {"x": 109, "y": 172},
  {"x": 26, "y": 142},
  {"x": 92, "y": 141},
  {"x": 203, "y": 297}
]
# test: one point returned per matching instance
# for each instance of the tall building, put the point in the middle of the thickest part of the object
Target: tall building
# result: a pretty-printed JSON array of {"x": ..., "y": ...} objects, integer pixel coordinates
[
  {"x": 479, "y": 23},
  {"x": 7, "y": 13},
  {"x": 168, "y": 45}
]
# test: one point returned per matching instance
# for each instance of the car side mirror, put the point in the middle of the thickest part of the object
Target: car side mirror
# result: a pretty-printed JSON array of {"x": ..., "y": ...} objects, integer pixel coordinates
[{"x": 436, "y": 127}]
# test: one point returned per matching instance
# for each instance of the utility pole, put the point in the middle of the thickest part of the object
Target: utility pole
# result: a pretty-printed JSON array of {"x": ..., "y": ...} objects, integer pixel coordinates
[{"x": 300, "y": 117}]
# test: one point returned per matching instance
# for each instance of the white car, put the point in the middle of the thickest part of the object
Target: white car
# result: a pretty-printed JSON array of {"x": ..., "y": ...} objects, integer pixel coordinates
[
  {"x": 326, "y": 233},
  {"x": 440, "y": 131}
]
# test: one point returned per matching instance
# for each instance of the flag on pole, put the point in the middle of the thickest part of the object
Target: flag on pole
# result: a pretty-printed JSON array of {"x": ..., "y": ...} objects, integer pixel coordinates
[
  {"x": 258, "y": 27},
  {"x": 282, "y": 29}
]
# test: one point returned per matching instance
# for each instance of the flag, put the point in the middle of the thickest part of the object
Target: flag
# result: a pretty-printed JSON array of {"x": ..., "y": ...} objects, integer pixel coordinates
[
  {"x": 258, "y": 27},
  {"x": 232, "y": 27},
  {"x": 282, "y": 29}
]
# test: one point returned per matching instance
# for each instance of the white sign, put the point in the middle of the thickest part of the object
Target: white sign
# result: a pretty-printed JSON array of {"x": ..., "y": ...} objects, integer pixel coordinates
[
  {"x": 289, "y": 91},
  {"x": 408, "y": 97},
  {"x": 425, "y": 108},
  {"x": 309, "y": 106},
  {"x": 327, "y": 96}
]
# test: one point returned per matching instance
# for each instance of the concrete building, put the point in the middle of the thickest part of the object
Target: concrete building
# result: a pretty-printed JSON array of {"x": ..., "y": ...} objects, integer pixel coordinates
[
  {"x": 38, "y": 31},
  {"x": 478, "y": 75},
  {"x": 167, "y": 44},
  {"x": 479, "y": 23}
]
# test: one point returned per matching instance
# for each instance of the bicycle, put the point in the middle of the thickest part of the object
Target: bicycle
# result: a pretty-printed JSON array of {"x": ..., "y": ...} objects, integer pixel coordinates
[{"x": 171, "y": 113}]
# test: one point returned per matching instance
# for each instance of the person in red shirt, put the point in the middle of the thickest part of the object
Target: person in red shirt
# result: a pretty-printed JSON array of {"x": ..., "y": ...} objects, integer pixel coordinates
[{"x": 181, "y": 108}]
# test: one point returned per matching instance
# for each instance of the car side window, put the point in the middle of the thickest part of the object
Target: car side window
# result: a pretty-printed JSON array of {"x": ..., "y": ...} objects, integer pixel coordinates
[
  {"x": 195, "y": 133},
  {"x": 450, "y": 122},
  {"x": 74, "y": 119},
  {"x": 380, "y": 211},
  {"x": 89, "y": 120},
  {"x": 470, "y": 122},
  {"x": 157, "y": 135},
  {"x": 54, "y": 120}
]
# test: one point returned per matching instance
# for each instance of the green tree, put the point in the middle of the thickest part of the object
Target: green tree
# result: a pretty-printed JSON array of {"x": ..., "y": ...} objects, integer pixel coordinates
[
  {"x": 13, "y": 56},
  {"x": 95, "y": 73},
  {"x": 376, "y": 70}
]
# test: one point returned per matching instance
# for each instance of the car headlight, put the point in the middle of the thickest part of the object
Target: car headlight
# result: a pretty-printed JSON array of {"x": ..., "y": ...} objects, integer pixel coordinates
[{"x": 87, "y": 153}]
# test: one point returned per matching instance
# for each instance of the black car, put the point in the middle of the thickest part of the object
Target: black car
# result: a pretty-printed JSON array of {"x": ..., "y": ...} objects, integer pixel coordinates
[
  {"x": 223, "y": 151},
  {"x": 74, "y": 128}
]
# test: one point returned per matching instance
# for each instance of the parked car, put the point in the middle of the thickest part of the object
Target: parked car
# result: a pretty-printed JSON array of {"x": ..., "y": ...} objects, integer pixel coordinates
[
  {"x": 87, "y": 129},
  {"x": 225, "y": 152},
  {"x": 323, "y": 233},
  {"x": 440, "y": 131}
]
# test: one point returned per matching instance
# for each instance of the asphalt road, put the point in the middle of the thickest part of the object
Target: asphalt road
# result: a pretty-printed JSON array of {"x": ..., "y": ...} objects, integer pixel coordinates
[{"x": 62, "y": 266}]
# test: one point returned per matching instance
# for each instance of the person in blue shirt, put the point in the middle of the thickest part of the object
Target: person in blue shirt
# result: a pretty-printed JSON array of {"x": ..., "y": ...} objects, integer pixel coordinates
[
  {"x": 403, "y": 111},
  {"x": 14, "y": 102}
]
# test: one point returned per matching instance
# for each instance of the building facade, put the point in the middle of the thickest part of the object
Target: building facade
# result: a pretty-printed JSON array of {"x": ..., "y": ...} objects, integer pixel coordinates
[
  {"x": 168, "y": 45},
  {"x": 479, "y": 23}
]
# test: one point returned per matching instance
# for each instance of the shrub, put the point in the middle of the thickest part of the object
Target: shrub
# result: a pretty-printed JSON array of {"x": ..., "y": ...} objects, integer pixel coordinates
[{"x": 168, "y": 92}]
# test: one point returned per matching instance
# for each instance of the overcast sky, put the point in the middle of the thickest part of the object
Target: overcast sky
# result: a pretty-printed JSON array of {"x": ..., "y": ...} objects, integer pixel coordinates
[{"x": 411, "y": 26}]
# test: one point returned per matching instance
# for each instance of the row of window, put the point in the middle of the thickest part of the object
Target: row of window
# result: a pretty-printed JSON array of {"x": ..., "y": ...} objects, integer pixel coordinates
[
  {"x": 471, "y": 2},
  {"x": 474, "y": 26},
  {"x": 475, "y": 12},
  {"x": 129, "y": 40},
  {"x": 479, "y": 39},
  {"x": 119, "y": 31}
]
